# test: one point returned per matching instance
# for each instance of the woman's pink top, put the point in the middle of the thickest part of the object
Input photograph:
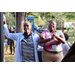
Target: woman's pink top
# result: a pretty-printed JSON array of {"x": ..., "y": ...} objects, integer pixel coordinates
[{"x": 57, "y": 47}]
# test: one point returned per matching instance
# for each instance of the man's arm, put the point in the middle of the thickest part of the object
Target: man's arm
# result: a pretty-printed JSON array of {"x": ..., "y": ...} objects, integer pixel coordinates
[
  {"x": 6, "y": 31},
  {"x": 12, "y": 36}
]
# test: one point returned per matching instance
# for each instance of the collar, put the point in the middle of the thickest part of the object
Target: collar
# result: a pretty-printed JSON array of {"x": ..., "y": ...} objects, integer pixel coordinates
[{"x": 27, "y": 36}]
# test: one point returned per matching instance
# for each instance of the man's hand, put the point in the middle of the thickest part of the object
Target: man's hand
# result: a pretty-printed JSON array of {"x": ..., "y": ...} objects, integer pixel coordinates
[
  {"x": 42, "y": 36},
  {"x": 4, "y": 19}
]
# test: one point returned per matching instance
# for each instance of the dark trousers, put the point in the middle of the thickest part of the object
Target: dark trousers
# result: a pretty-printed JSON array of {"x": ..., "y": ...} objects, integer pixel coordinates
[
  {"x": 40, "y": 56},
  {"x": 12, "y": 45},
  {"x": 70, "y": 56}
]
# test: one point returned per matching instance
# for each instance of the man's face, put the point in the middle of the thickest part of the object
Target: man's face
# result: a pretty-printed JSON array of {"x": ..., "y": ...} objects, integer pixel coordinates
[
  {"x": 52, "y": 26},
  {"x": 27, "y": 27}
]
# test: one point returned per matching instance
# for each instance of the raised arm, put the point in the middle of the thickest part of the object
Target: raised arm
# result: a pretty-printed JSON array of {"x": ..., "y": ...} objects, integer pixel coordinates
[{"x": 12, "y": 36}]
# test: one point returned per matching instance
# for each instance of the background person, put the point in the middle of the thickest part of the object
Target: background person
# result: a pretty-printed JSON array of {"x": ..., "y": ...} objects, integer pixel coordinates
[
  {"x": 65, "y": 46},
  {"x": 11, "y": 42}
]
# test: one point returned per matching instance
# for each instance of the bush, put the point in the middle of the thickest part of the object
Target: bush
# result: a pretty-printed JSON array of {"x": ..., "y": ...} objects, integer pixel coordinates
[{"x": 58, "y": 28}]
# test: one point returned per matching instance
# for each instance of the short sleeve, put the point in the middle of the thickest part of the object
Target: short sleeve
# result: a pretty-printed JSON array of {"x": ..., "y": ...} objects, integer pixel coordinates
[
  {"x": 59, "y": 33},
  {"x": 43, "y": 32}
]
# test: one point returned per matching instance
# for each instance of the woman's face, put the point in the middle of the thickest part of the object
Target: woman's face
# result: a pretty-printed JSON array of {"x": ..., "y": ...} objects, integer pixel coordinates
[{"x": 52, "y": 26}]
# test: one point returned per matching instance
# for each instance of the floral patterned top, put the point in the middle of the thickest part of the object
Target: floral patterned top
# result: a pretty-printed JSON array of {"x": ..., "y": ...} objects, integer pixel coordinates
[{"x": 57, "y": 47}]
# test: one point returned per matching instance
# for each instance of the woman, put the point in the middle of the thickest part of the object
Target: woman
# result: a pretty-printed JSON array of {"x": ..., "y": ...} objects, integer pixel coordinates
[
  {"x": 65, "y": 46},
  {"x": 53, "y": 40}
]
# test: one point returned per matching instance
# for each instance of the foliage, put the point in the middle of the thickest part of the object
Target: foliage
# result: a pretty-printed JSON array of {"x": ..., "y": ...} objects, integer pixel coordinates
[
  {"x": 68, "y": 16},
  {"x": 10, "y": 19},
  {"x": 47, "y": 16},
  {"x": 40, "y": 18}
]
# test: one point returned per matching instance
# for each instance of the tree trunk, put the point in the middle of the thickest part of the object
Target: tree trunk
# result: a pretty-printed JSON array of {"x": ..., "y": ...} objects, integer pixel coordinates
[
  {"x": 19, "y": 22},
  {"x": 25, "y": 16}
]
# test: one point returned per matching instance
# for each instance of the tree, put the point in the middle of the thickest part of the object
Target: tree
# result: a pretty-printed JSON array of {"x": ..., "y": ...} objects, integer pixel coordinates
[
  {"x": 19, "y": 21},
  {"x": 10, "y": 18},
  {"x": 39, "y": 18},
  {"x": 25, "y": 13}
]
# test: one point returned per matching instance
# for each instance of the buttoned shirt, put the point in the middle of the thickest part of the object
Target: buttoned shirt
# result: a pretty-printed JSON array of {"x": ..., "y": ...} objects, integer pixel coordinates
[{"x": 18, "y": 37}]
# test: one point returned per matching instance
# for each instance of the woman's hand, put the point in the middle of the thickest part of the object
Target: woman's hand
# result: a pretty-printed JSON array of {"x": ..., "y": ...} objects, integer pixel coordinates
[
  {"x": 60, "y": 38},
  {"x": 55, "y": 33}
]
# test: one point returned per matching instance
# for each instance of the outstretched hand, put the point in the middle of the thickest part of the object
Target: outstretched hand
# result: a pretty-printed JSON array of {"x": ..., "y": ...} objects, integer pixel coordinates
[{"x": 4, "y": 19}]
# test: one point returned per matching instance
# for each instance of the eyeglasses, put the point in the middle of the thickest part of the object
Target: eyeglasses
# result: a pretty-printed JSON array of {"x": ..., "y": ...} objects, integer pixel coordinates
[{"x": 52, "y": 24}]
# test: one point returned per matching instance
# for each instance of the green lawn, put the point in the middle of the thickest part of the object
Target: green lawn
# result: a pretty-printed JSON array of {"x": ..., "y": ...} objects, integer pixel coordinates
[
  {"x": 72, "y": 37},
  {"x": 7, "y": 57}
]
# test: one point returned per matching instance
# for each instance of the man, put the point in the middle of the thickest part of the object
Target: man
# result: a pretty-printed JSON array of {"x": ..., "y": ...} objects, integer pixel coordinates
[
  {"x": 27, "y": 42},
  {"x": 52, "y": 51}
]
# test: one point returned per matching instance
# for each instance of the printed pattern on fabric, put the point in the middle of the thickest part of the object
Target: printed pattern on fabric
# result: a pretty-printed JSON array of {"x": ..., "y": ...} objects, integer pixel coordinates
[{"x": 52, "y": 47}]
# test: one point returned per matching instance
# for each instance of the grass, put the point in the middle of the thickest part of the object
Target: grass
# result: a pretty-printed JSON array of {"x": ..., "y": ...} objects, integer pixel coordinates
[
  {"x": 7, "y": 57},
  {"x": 71, "y": 37}
]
